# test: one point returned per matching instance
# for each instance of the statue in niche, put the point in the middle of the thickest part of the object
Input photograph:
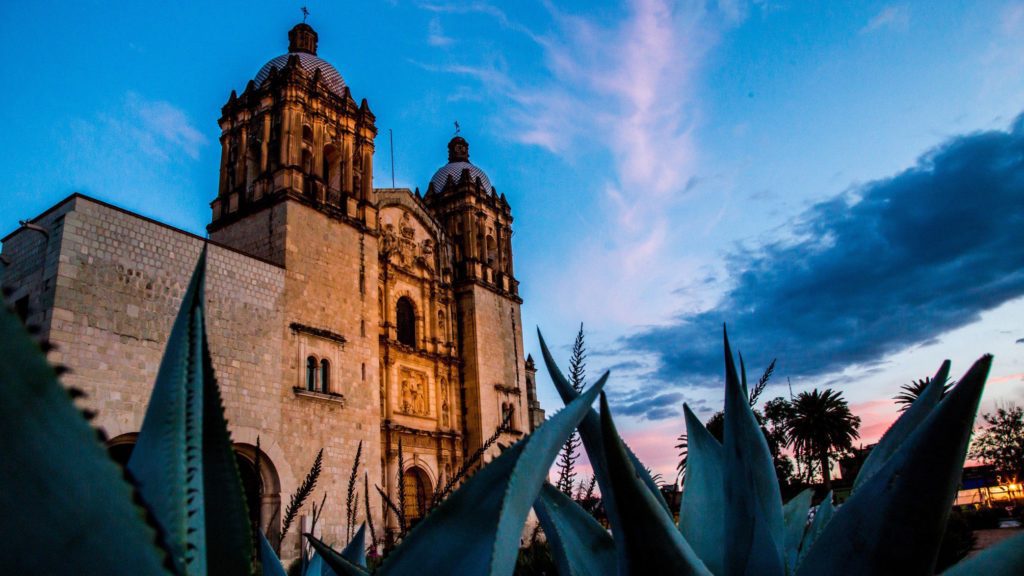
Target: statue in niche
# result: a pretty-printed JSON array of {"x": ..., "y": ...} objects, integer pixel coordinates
[
  {"x": 444, "y": 414},
  {"x": 419, "y": 398},
  {"x": 406, "y": 398}
]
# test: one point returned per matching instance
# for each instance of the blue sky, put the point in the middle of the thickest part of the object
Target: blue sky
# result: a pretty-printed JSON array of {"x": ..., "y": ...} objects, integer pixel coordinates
[{"x": 840, "y": 182}]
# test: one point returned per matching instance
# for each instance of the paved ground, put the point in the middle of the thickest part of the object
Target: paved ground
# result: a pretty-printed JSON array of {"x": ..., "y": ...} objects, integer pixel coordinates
[{"x": 991, "y": 537}]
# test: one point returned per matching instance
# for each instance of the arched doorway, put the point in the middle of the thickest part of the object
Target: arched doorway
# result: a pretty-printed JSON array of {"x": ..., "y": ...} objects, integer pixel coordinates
[
  {"x": 416, "y": 490},
  {"x": 266, "y": 510},
  {"x": 120, "y": 448}
]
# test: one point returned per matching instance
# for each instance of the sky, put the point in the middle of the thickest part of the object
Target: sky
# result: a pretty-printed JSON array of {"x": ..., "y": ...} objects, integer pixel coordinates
[{"x": 842, "y": 184}]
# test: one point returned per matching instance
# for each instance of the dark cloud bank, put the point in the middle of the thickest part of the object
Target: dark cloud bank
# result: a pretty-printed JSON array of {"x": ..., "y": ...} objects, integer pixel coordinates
[{"x": 887, "y": 265}]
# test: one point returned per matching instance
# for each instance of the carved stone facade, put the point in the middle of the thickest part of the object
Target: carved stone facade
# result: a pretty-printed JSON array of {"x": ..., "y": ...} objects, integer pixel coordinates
[{"x": 339, "y": 314}]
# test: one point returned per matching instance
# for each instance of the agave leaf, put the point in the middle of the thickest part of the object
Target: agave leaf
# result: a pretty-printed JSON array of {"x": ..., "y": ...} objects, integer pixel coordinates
[
  {"x": 753, "y": 503},
  {"x": 651, "y": 542},
  {"x": 822, "y": 516},
  {"x": 701, "y": 508},
  {"x": 476, "y": 530},
  {"x": 904, "y": 425},
  {"x": 65, "y": 507},
  {"x": 794, "y": 516},
  {"x": 578, "y": 543},
  {"x": 167, "y": 459},
  {"x": 183, "y": 460},
  {"x": 1003, "y": 559},
  {"x": 334, "y": 561},
  {"x": 355, "y": 551},
  {"x": 228, "y": 530},
  {"x": 269, "y": 561},
  {"x": 316, "y": 566},
  {"x": 590, "y": 432},
  {"x": 894, "y": 523}
]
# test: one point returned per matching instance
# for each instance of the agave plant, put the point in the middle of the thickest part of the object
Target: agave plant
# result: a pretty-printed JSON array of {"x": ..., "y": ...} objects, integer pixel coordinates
[
  {"x": 732, "y": 520},
  {"x": 178, "y": 508}
]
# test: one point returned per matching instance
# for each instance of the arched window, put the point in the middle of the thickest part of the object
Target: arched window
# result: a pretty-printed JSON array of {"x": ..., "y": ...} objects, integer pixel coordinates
[
  {"x": 507, "y": 417},
  {"x": 492, "y": 250},
  {"x": 307, "y": 162},
  {"x": 325, "y": 376},
  {"x": 332, "y": 167},
  {"x": 406, "y": 319},
  {"x": 414, "y": 488},
  {"x": 307, "y": 134},
  {"x": 311, "y": 373}
]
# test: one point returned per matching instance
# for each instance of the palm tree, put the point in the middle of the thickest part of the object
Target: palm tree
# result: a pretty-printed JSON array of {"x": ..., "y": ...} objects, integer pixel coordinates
[
  {"x": 821, "y": 424},
  {"x": 910, "y": 392}
]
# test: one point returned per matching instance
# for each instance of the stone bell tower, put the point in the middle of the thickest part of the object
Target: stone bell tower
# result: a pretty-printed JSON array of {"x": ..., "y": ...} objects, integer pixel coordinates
[
  {"x": 479, "y": 222},
  {"x": 295, "y": 133},
  {"x": 296, "y": 191}
]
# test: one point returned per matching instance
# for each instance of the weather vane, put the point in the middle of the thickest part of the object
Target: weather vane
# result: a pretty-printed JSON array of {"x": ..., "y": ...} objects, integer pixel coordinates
[
  {"x": 456, "y": 127},
  {"x": 305, "y": 14}
]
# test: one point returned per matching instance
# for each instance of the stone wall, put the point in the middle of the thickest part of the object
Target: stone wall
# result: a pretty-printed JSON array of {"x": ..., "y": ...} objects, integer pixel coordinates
[
  {"x": 116, "y": 281},
  {"x": 494, "y": 371}
]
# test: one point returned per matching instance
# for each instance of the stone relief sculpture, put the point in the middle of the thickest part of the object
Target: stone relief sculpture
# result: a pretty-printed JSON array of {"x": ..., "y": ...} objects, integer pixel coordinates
[
  {"x": 414, "y": 394},
  {"x": 399, "y": 244}
]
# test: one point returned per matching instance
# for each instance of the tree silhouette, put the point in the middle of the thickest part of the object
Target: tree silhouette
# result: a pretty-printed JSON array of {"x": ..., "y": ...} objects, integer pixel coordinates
[
  {"x": 820, "y": 425},
  {"x": 570, "y": 451},
  {"x": 910, "y": 392}
]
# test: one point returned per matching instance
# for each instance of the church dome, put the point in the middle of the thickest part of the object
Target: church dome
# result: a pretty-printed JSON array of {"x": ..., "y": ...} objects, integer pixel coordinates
[
  {"x": 302, "y": 40},
  {"x": 458, "y": 160}
]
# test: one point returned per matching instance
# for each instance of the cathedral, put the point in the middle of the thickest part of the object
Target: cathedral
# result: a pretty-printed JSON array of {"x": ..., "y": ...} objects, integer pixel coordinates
[{"x": 340, "y": 316}]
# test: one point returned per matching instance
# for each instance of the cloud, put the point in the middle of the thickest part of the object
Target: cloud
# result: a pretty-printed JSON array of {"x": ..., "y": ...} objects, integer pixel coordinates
[
  {"x": 895, "y": 17},
  {"x": 1020, "y": 341},
  {"x": 887, "y": 265},
  {"x": 435, "y": 34}
]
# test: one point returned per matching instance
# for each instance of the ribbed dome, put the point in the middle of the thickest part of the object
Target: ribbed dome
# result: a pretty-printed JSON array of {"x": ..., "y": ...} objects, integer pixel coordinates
[
  {"x": 309, "y": 63},
  {"x": 458, "y": 160},
  {"x": 454, "y": 169}
]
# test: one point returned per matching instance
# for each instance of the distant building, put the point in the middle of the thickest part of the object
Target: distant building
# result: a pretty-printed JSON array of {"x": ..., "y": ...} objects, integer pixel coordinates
[{"x": 337, "y": 313}]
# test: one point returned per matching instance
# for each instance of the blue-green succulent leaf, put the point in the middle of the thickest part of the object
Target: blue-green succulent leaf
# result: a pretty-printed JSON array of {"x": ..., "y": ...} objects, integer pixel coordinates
[
  {"x": 590, "y": 433},
  {"x": 794, "y": 516},
  {"x": 579, "y": 545},
  {"x": 228, "y": 531},
  {"x": 315, "y": 566},
  {"x": 183, "y": 460},
  {"x": 355, "y": 551},
  {"x": 651, "y": 543},
  {"x": 702, "y": 506},
  {"x": 894, "y": 523},
  {"x": 65, "y": 507},
  {"x": 476, "y": 530},
  {"x": 1003, "y": 559},
  {"x": 167, "y": 459},
  {"x": 822, "y": 516},
  {"x": 904, "y": 425},
  {"x": 269, "y": 561},
  {"x": 335, "y": 561},
  {"x": 753, "y": 503}
]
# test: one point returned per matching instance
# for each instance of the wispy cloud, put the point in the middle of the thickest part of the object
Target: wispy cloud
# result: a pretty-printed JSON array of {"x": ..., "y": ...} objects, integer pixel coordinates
[
  {"x": 894, "y": 17},
  {"x": 888, "y": 265},
  {"x": 157, "y": 128},
  {"x": 137, "y": 145},
  {"x": 435, "y": 34},
  {"x": 621, "y": 88}
]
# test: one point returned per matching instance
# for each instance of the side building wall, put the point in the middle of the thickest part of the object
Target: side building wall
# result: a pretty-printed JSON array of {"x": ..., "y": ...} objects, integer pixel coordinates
[
  {"x": 106, "y": 296},
  {"x": 495, "y": 373}
]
